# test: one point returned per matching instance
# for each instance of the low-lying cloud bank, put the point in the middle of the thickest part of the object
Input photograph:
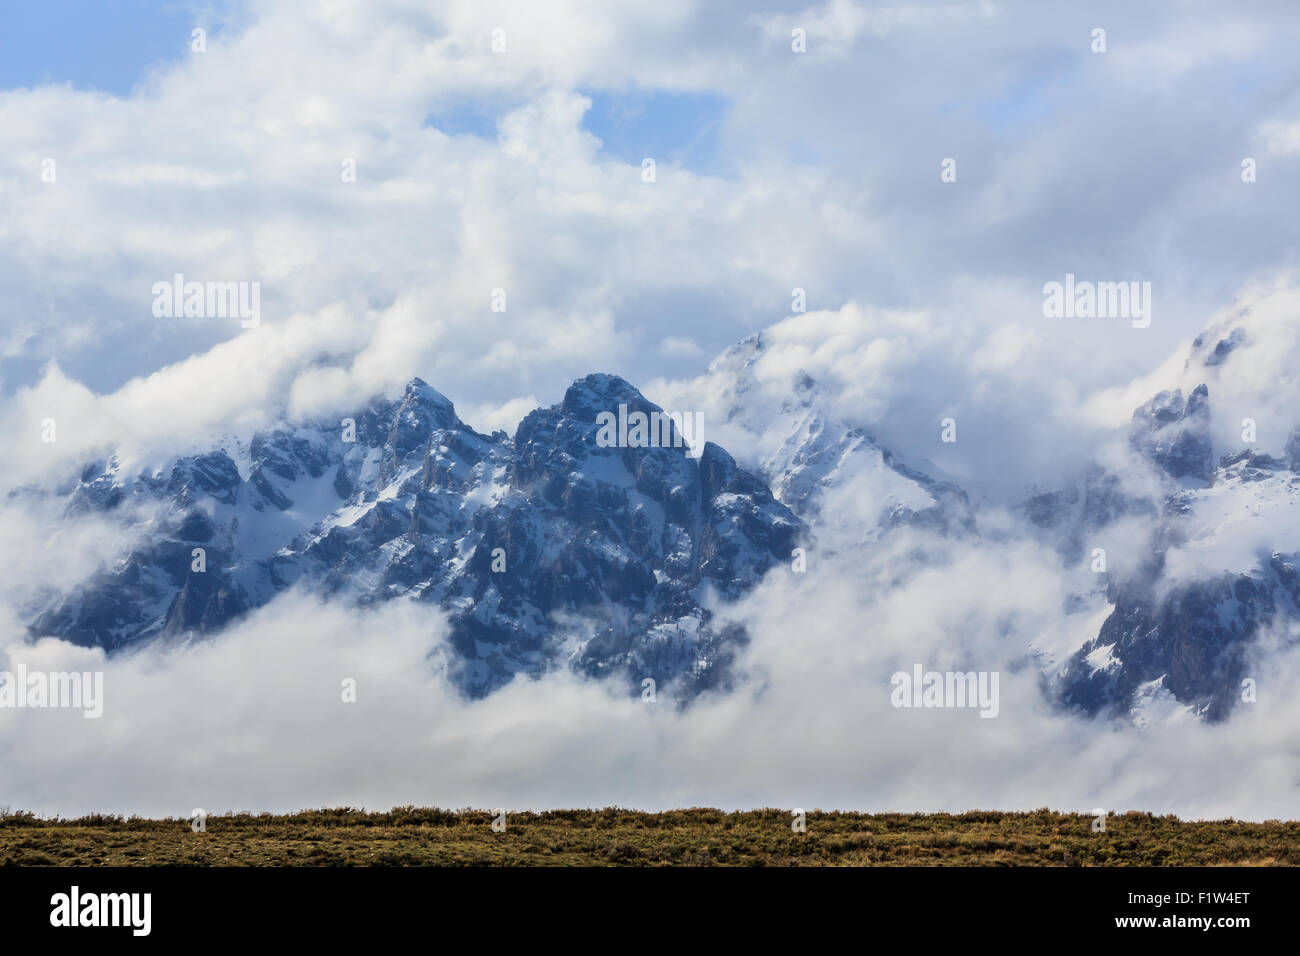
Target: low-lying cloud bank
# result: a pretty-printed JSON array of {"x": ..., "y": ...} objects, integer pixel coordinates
[{"x": 255, "y": 719}]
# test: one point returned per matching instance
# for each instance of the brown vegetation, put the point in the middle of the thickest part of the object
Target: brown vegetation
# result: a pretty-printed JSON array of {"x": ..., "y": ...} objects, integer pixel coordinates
[{"x": 409, "y": 836}]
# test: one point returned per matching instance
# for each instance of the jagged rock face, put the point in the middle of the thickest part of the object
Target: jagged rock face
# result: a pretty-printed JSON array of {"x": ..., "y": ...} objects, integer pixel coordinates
[
  {"x": 1250, "y": 464},
  {"x": 545, "y": 550},
  {"x": 1222, "y": 348},
  {"x": 1189, "y": 621},
  {"x": 1175, "y": 434},
  {"x": 1195, "y": 642}
]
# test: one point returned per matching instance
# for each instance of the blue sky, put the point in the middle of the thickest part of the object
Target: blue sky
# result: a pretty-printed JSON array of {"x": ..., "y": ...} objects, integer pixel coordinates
[
  {"x": 94, "y": 45},
  {"x": 676, "y": 127}
]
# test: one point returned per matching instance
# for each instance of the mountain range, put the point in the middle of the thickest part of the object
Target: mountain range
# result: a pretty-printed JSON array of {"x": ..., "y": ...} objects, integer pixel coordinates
[{"x": 545, "y": 549}]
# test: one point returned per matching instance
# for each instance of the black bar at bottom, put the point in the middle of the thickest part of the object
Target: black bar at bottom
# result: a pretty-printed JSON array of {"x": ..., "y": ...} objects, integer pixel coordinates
[{"x": 303, "y": 905}]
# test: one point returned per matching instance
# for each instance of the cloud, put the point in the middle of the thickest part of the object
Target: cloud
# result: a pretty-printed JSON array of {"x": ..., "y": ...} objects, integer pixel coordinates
[
  {"x": 227, "y": 165},
  {"x": 1257, "y": 378},
  {"x": 680, "y": 347},
  {"x": 255, "y": 719}
]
